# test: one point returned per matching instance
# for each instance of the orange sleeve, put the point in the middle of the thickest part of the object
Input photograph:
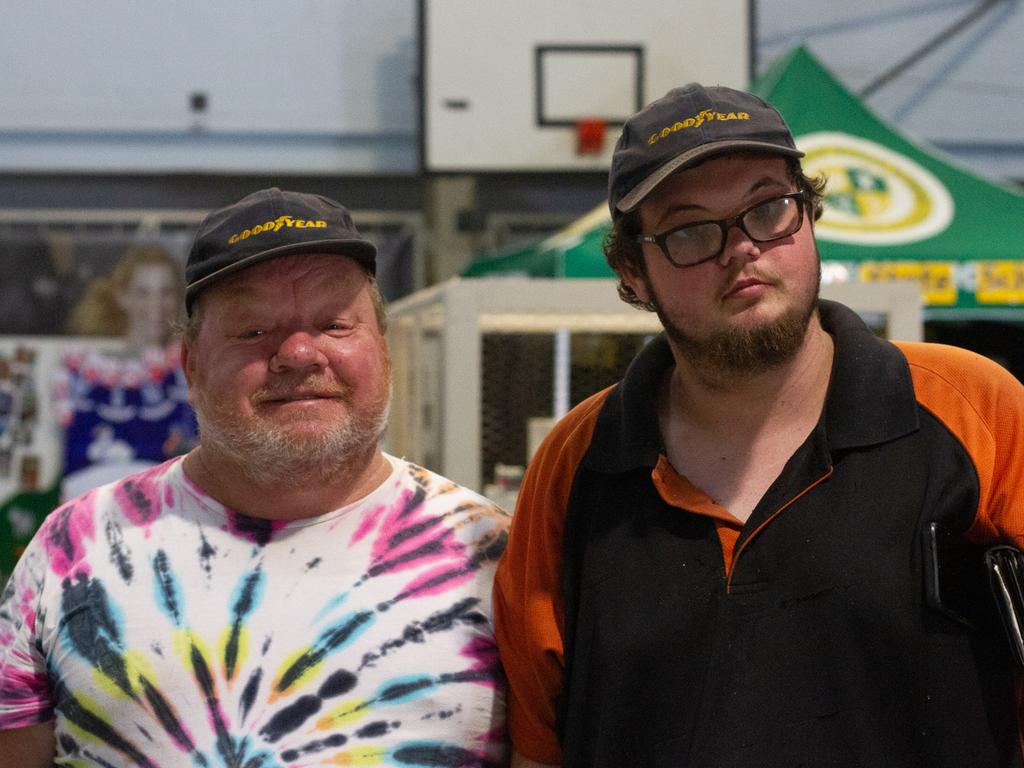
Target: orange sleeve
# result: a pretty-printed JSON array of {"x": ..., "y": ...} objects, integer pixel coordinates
[
  {"x": 983, "y": 405},
  {"x": 528, "y": 607}
]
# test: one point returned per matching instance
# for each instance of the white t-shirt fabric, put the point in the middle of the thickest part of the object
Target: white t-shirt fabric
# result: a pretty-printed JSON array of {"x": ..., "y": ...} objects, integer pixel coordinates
[{"x": 159, "y": 628}]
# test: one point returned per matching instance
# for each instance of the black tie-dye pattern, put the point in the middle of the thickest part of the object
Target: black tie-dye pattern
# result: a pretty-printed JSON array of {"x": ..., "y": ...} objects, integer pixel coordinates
[
  {"x": 291, "y": 717},
  {"x": 259, "y": 529},
  {"x": 206, "y": 553},
  {"x": 374, "y": 729},
  {"x": 165, "y": 585},
  {"x": 145, "y": 509},
  {"x": 463, "y": 612},
  {"x": 268, "y": 709},
  {"x": 331, "y": 742},
  {"x": 92, "y": 723},
  {"x": 295, "y": 714},
  {"x": 167, "y": 717},
  {"x": 334, "y": 638},
  {"x": 252, "y": 687},
  {"x": 59, "y": 533},
  {"x": 91, "y": 629},
  {"x": 239, "y": 611},
  {"x": 337, "y": 683},
  {"x": 225, "y": 744},
  {"x": 441, "y": 756},
  {"x": 119, "y": 556}
]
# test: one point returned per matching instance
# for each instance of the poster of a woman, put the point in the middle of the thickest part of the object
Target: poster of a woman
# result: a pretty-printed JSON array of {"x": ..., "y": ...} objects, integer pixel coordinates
[{"x": 123, "y": 405}]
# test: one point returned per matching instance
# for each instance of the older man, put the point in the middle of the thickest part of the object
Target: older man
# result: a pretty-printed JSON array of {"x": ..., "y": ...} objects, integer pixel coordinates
[
  {"x": 737, "y": 556},
  {"x": 286, "y": 593}
]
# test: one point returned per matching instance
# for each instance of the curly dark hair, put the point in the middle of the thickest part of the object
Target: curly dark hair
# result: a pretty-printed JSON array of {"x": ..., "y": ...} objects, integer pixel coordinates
[{"x": 625, "y": 254}]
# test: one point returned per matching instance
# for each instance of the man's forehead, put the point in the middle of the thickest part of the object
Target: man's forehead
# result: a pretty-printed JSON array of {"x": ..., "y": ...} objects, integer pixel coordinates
[
  {"x": 739, "y": 172},
  {"x": 297, "y": 264},
  {"x": 330, "y": 274},
  {"x": 278, "y": 272}
]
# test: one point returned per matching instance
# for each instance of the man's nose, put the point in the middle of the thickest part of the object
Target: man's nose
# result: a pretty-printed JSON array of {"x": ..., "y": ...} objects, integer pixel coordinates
[
  {"x": 738, "y": 245},
  {"x": 298, "y": 349}
]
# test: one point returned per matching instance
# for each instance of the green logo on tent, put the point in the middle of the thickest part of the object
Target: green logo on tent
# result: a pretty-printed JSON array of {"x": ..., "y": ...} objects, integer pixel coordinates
[{"x": 874, "y": 195}]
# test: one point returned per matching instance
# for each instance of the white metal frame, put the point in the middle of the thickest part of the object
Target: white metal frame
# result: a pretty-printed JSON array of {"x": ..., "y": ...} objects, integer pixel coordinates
[{"x": 460, "y": 311}]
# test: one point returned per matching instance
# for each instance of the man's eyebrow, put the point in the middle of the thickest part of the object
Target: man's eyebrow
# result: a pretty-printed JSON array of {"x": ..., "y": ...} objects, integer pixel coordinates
[{"x": 765, "y": 182}]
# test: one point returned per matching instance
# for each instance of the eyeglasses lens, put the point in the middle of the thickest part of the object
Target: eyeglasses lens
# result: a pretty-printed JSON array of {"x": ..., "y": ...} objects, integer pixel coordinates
[{"x": 771, "y": 220}]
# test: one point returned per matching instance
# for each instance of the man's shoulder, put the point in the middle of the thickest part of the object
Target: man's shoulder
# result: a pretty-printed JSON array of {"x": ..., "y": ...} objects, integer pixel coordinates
[
  {"x": 577, "y": 426},
  {"x": 956, "y": 368},
  {"x": 956, "y": 383},
  {"x": 443, "y": 495},
  {"x": 138, "y": 496}
]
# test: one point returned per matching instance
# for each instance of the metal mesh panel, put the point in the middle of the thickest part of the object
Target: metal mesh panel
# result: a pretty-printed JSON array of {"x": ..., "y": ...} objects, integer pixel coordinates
[{"x": 518, "y": 384}]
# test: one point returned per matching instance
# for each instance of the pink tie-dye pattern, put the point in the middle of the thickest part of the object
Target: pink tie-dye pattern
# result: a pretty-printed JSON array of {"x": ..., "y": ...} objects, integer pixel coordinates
[
  {"x": 29, "y": 682},
  {"x": 26, "y": 606},
  {"x": 371, "y": 518},
  {"x": 398, "y": 519},
  {"x": 493, "y": 736},
  {"x": 24, "y": 691},
  {"x": 139, "y": 496},
  {"x": 394, "y": 549},
  {"x": 456, "y": 573},
  {"x": 64, "y": 534},
  {"x": 484, "y": 653}
]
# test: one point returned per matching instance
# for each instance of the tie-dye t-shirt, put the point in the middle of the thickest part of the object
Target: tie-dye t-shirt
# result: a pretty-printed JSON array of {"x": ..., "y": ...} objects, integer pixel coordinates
[{"x": 158, "y": 628}]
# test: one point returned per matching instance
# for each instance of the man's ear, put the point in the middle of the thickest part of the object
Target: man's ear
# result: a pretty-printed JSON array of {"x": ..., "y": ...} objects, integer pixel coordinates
[
  {"x": 635, "y": 282},
  {"x": 188, "y": 363}
]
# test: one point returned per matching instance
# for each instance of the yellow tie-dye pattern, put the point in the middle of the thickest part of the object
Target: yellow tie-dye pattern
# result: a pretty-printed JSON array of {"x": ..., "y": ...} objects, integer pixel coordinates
[
  {"x": 304, "y": 679},
  {"x": 345, "y": 713},
  {"x": 93, "y": 708},
  {"x": 360, "y": 757},
  {"x": 110, "y": 687},
  {"x": 136, "y": 666}
]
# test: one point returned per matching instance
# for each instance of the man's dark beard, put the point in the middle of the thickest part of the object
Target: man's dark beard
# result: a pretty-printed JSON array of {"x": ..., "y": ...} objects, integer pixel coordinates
[{"x": 742, "y": 351}]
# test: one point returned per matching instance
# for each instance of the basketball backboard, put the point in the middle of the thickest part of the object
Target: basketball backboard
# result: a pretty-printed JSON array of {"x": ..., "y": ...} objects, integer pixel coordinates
[{"x": 529, "y": 86}]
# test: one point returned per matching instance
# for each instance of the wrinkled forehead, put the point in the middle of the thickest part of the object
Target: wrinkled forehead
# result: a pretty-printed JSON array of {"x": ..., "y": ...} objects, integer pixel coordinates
[
  {"x": 332, "y": 270},
  {"x": 339, "y": 278}
]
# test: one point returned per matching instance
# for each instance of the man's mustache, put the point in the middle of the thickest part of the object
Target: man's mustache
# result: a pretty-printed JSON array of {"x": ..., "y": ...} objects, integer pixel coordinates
[{"x": 308, "y": 386}]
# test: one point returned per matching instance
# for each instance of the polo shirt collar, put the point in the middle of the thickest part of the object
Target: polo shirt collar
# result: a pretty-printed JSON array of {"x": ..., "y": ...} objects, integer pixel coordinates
[
  {"x": 870, "y": 399},
  {"x": 871, "y": 396}
]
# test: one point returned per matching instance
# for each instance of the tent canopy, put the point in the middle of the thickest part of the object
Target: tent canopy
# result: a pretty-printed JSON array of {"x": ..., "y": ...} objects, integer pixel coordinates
[{"x": 894, "y": 209}]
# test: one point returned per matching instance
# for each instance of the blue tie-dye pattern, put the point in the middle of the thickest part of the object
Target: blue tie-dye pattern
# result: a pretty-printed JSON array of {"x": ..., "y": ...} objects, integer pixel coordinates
[
  {"x": 330, "y": 607},
  {"x": 228, "y": 719}
]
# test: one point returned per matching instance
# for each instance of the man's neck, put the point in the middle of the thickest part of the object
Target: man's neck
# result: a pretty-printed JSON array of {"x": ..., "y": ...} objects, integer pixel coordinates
[
  {"x": 732, "y": 442},
  {"x": 794, "y": 389},
  {"x": 303, "y": 497}
]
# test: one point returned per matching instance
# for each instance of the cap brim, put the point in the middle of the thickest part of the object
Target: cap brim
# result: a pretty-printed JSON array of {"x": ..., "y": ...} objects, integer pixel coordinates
[
  {"x": 636, "y": 195},
  {"x": 361, "y": 251}
]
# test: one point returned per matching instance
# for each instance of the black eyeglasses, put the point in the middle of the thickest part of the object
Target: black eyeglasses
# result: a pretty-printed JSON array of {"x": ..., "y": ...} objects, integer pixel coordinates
[{"x": 700, "y": 241}]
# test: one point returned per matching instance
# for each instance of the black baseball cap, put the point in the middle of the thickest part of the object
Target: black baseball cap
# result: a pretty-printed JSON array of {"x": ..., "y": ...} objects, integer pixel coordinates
[
  {"x": 684, "y": 127},
  {"x": 268, "y": 224}
]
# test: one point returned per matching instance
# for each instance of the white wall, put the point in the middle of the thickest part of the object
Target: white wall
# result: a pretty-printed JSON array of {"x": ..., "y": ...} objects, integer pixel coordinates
[
  {"x": 315, "y": 86},
  {"x": 328, "y": 86}
]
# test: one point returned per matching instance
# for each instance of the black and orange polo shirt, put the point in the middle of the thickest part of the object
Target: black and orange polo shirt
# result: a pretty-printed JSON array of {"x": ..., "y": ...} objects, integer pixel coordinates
[{"x": 640, "y": 624}]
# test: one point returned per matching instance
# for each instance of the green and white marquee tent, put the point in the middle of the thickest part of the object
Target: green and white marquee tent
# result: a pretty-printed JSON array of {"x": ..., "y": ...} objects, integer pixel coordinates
[{"x": 895, "y": 208}]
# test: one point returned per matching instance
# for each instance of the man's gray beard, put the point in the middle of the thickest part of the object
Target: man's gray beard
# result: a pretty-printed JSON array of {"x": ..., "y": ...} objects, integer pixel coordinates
[
  {"x": 731, "y": 353},
  {"x": 270, "y": 457}
]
